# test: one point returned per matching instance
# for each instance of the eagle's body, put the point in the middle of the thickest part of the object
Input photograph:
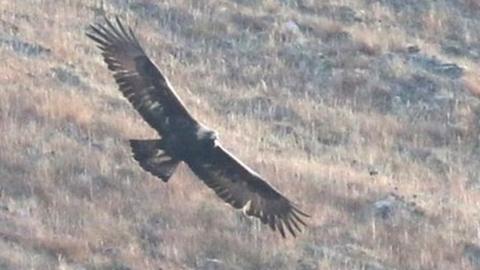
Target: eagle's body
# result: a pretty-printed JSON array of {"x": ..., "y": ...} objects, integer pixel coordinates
[{"x": 183, "y": 138}]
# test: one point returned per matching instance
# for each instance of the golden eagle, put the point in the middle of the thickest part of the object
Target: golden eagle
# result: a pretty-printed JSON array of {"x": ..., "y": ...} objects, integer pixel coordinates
[{"x": 183, "y": 138}]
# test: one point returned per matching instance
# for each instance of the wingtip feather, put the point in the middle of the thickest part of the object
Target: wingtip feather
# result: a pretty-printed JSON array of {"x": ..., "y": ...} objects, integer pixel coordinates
[
  {"x": 280, "y": 228},
  {"x": 289, "y": 226}
]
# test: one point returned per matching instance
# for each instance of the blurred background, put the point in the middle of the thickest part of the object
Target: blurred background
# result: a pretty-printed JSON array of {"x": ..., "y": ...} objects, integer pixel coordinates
[{"x": 365, "y": 113}]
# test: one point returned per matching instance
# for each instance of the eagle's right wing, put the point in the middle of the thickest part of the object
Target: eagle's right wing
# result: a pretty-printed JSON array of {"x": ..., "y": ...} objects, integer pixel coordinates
[{"x": 140, "y": 81}]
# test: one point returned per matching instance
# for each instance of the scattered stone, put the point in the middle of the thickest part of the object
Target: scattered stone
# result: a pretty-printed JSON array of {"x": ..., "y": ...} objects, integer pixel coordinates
[
  {"x": 291, "y": 27},
  {"x": 66, "y": 76},
  {"x": 373, "y": 171},
  {"x": 458, "y": 48},
  {"x": 24, "y": 48},
  {"x": 436, "y": 66},
  {"x": 384, "y": 208},
  {"x": 413, "y": 49},
  {"x": 394, "y": 209},
  {"x": 291, "y": 31}
]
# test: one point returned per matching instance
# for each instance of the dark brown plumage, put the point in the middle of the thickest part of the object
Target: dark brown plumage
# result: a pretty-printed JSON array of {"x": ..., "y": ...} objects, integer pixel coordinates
[{"x": 183, "y": 138}]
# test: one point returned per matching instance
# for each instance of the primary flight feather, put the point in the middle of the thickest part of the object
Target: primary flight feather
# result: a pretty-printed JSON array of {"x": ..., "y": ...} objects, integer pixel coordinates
[{"x": 183, "y": 138}]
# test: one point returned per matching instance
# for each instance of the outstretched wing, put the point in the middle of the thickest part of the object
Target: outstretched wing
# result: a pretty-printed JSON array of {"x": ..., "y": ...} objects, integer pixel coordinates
[
  {"x": 244, "y": 189},
  {"x": 140, "y": 81}
]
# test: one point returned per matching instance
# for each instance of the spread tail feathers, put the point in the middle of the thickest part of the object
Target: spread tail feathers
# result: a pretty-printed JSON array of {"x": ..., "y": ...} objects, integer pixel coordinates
[{"x": 152, "y": 158}]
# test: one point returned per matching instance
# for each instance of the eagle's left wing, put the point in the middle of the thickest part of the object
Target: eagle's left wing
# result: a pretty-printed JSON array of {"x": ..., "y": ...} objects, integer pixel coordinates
[{"x": 244, "y": 189}]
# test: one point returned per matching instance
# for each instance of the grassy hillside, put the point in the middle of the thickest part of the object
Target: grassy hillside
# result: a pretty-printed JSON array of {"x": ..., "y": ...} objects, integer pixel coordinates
[{"x": 366, "y": 113}]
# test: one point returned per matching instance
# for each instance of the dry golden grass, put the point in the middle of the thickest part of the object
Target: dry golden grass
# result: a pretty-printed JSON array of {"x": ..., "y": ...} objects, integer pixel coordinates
[{"x": 324, "y": 99}]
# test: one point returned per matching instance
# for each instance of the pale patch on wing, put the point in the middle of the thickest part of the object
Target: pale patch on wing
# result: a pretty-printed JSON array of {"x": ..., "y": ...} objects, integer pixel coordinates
[{"x": 247, "y": 208}]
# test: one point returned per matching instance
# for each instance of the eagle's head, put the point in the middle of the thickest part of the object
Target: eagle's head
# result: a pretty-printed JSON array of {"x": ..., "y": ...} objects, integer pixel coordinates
[{"x": 207, "y": 137}]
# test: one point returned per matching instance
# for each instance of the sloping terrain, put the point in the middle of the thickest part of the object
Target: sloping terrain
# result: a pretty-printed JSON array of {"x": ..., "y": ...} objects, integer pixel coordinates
[{"x": 366, "y": 113}]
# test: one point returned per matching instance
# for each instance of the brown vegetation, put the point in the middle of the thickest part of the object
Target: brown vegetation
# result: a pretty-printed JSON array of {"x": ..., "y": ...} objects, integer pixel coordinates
[{"x": 364, "y": 112}]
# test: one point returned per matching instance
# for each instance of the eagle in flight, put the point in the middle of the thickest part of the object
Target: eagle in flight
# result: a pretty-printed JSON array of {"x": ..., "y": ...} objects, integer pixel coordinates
[{"x": 183, "y": 138}]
